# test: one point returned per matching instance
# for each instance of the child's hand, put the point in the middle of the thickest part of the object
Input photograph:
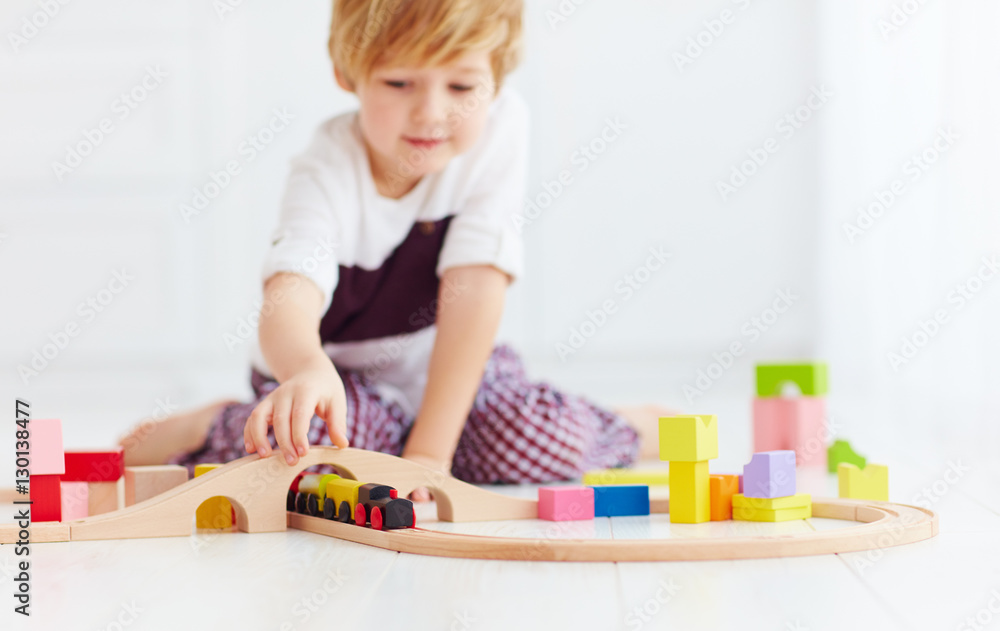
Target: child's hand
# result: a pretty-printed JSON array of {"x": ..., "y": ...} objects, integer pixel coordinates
[
  {"x": 290, "y": 408},
  {"x": 421, "y": 494}
]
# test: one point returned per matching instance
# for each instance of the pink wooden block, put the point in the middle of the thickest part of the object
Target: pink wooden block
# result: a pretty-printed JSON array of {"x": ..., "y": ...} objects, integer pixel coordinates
[
  {"x": 46, "y": 441},
  {"x": 811, "y": 432},
  {"x": 796, "y": 423},
  {"x": 771, "y": 424},
  {"x": 75, "y": 499},
  {"x": 565, "y": 503}
]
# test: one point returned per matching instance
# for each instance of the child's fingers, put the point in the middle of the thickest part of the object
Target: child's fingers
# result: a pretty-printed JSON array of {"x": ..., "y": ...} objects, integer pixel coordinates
[
  {"x": 420, "y": 495},
  {"x": 281, "y": 420},
  {"x": 302, "y": 413},
  {"x": 335, "y": 416},
  {"x": 255, "y": 430}
]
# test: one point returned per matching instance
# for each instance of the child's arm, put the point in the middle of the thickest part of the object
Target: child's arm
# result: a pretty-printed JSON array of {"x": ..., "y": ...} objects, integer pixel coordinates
[
  {"x": 290, "y": 342},
  {"x": 470, "y": 302}
]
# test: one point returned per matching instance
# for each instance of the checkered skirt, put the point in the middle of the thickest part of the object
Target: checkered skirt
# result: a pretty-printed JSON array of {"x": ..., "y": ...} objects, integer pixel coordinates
[{"x": 517, "y": 430}]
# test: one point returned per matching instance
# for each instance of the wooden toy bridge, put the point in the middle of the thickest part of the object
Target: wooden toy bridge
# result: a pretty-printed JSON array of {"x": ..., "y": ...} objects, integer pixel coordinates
[{"x": 257, "y": 488}]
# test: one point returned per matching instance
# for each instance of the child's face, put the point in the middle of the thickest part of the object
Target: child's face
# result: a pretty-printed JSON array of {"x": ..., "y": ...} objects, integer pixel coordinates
[{"x": 415, "y": 120}]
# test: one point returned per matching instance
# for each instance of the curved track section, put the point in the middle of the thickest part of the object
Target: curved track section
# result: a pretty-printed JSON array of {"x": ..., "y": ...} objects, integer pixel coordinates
[
  {"x": 257, "y": 488},
  {"x": 883, "y": 525}
]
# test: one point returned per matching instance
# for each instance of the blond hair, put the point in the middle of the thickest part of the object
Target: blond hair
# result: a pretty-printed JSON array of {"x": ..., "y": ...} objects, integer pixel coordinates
[{"x": 367, "y": 33}]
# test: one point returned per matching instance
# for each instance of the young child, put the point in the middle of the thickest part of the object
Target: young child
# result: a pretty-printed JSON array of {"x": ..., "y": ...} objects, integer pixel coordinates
[{"x": 385, "y": 280}]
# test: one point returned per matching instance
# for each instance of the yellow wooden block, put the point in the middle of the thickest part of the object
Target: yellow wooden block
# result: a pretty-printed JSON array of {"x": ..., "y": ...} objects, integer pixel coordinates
[
  {"x": 763, "y": 514},
  {"x": 870, "y": 483},
  {"x": 200, "y": 469},
  {"x": 690, "y": 496},
  {"x": 215, "y": 512},
  {"x": 772, "y": 503},
  {"x": 689, "y": 438},
  {"x": 649, "y": 477}
]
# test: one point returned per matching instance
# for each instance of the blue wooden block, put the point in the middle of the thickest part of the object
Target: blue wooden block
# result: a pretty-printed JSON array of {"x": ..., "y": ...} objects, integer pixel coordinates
[{"x": 621, "y": 499}]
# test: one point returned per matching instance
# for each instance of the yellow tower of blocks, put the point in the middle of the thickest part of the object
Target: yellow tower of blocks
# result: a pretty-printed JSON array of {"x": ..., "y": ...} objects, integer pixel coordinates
[
  {"x": 688, "y": 443},
  {"x": 215, "y": 512}
]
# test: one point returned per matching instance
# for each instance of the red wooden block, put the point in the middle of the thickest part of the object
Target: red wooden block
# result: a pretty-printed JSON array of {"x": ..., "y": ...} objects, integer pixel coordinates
[
  {"x": 46, "y": 498},
  {"x": 721, "y": 489},
  {"x": 94, "y": 466}
]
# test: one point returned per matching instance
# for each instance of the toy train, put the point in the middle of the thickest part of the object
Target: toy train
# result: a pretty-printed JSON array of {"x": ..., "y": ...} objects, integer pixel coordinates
[{"x": 345, "y": 500}]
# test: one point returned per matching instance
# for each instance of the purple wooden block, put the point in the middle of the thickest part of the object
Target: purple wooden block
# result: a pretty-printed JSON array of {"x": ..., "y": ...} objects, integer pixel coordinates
[
  {"x": 770, "y": 474},
  {"x": 741, "y": 483}
]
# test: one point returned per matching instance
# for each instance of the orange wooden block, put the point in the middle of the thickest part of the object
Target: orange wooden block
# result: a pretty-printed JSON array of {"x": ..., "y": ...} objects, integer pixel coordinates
[{"x": 722, "y": 488}]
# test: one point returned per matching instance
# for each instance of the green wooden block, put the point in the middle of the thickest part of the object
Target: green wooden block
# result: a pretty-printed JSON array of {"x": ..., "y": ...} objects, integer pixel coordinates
[
  {"x": 841, "y": 451},
  {"x": 809, "y": 377}
]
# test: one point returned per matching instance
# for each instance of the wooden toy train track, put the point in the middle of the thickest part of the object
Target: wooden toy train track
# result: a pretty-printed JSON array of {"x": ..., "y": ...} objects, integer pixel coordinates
[{"x": 257, "y": 489}]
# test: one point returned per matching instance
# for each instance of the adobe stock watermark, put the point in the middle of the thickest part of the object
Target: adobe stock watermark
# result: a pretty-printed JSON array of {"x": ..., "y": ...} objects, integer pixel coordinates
[
  {"x": 87, "y": 310},
  {"x": 957, "y": 299},
  {"x": 122, "y": 107},
  {"x": 931, "y": 494},
  {"x": 786, "y": 126},
  {"x": 751, "y": 330},
  {"x": 898, "y": 17},
  {"x": 392, "y": 348},
  {"x": 246, "y": 326},
  {"x": 701, "y": 41},
  {"x": 585, "y": 155},
  {"x": 461, "y": 621},
  {"x": 128, "y": 614},
  {"x": 983, "y": 619},
  {"x": 310, "y": 604},
  {"x": 248, "y": 149},
  {"x": 625, "y": 287},
  {"x": 223, "y": 8},
  {"x": 162, "y": 408},
  {"x": 638, "y": 616},
  {"x": 31, "y": 26},
  {"x": 915, "y": 167},
  {"x": 562, "y": 13}
]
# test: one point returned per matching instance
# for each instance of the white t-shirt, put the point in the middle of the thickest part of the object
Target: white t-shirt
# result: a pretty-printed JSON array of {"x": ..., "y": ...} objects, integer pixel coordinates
[{"x": 377, "y": 260}]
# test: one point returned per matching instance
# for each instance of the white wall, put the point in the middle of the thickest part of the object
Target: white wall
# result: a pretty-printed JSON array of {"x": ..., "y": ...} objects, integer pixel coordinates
[{"x": 654, "y": 186}]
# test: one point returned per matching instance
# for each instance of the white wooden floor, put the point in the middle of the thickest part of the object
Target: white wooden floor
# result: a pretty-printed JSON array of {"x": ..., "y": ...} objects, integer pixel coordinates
[{"x": 298, "y": 580}]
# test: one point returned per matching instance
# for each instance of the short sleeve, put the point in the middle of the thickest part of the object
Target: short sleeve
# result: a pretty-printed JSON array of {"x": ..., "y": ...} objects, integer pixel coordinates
[
  {"x": 483, "y": 230},
  {"x": 305, "y": 240}
]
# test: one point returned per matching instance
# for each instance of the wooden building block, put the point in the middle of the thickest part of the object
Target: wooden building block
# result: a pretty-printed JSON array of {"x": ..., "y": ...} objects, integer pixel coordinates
[
  {"x": 779, "y": 514},
  {"x": 619, "y": 500},
  {"x": 798, "y": 500},
  {"x": 810, "y": 377},
  {"x": 46, "y": 498},
  {"x": 649, "y": 477},
  {"x": 46, "y": 439},
  {"x": 770, "y": 474},
  {"x": 796, "y": 423},
  {"x": 870, "y": 483},
  {"x": 94, "y": 466},
  {"x": 690, "y": 492},
  {"x": 142, "y": 483},
  {"x": 689, "y": 438},
  {"x": 722, "y": 488},
  {"x": 105, "y": 497},
  {"x": 841, "y": 451},
  {"x": 565, "y": 503},
  {"x": 74, "y": 500},
  {"x": 215, "y": 512}
]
